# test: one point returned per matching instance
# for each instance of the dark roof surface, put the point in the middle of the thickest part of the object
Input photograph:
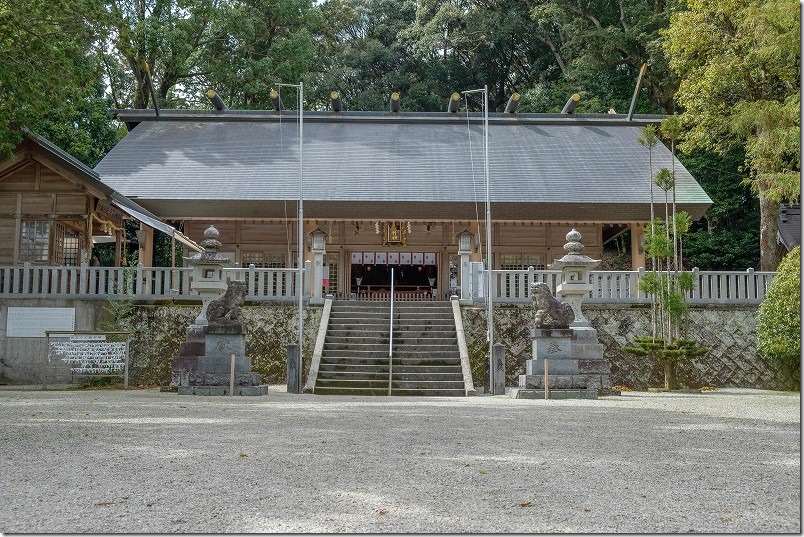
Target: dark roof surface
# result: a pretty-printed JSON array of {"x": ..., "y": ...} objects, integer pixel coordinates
[
  {"x": 540, "y": 167},
  {"x": 790, "y": 226}
]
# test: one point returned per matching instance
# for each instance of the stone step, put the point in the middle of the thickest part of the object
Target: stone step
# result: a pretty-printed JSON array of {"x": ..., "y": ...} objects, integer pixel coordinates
[
  {"x": 358, "y": 304},
  {"x": 398, "y": 361},
  {"x": 412, "y": 324},
  {"x": 402, "y": 380},
  {"x": 394, "y": 392},
  {"x": 369, "y": 344},
  {"x": 435, "y": 338},
  {"x": 426, "y": 360},
  {"x": 426, "y": 336},
  {"x": 382, "y": 369},
  {"x": 331, "y": 354},
  {"x": 355, "y": 375},
  {"x": 353, "y": 320}
]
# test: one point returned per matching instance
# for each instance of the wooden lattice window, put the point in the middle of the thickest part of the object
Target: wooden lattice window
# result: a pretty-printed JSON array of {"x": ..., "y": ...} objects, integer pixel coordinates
[
  {"x": 332, "y": 263},
  {"x": 67, "y": 245},
  {"x": 263, "y": 259},
  {"x": 35, "y": 242},
  {"x": 51, "y": 243},
  {"x": 521, "y": 262}
]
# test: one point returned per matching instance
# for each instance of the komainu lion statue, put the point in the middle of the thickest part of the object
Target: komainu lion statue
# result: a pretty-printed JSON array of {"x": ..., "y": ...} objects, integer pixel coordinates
[
  {"x": 550, "y": 312},
  {"x": 228, "y": 308}
]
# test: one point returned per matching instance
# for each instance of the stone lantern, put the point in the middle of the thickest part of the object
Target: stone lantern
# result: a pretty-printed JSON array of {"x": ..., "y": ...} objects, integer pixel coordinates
[
  {"x": 577, "y": 367},
  {"x": 575, "y": 284},
  {"x": 208, "y": 268},
  {"x": 464, "y": 251},
  {"x": 318, "y": 246}
]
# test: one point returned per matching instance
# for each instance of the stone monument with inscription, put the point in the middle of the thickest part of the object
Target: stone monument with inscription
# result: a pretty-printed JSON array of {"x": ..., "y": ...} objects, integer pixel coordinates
[
  {"x": 563, "y": 336},
  {"x": 204, "y": 364}
]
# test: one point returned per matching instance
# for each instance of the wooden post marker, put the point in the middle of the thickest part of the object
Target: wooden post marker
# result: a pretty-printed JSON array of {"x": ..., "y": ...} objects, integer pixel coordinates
[{"x": 231, "y": 377}]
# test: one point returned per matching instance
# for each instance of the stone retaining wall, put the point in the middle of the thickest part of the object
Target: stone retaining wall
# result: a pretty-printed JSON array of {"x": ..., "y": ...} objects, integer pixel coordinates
[
  {"x": 157, "y": 332},
  {"x": 160, "y": 330},
  {"x": 729, "y": 333}
]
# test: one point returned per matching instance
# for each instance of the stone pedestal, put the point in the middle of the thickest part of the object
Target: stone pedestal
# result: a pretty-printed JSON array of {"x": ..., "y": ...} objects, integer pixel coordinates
[
  {"x": 575, "y": 361},
  {"x": 203, "y": 366}
]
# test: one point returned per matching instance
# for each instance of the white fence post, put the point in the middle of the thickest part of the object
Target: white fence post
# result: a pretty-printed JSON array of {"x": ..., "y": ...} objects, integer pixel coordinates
[
  {"x": 696, "y": 287},
  {"x": 308, "y": 270},
  {"x": 26, "y": 278},
  {"x": 82, "y": 279}
]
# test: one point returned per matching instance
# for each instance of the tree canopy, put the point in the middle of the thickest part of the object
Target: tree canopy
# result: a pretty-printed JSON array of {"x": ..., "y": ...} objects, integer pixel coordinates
[
  {"x": 47, "y": 67},
  {"x": 731, "y": 67},
  {"x": 738, "y": 61}
]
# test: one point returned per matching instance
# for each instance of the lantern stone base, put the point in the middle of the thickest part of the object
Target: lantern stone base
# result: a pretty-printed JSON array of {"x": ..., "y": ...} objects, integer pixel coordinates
[
  {"x": 575, "y": 362},
  {"x": 522, "y": 393},
  {"x": 203, "y": 366}
]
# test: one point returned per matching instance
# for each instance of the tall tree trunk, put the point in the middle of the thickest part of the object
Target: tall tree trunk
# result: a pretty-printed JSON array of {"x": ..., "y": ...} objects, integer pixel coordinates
[
  {"x": 768, "y": 231},
  {"x": 670, "y": 382}
]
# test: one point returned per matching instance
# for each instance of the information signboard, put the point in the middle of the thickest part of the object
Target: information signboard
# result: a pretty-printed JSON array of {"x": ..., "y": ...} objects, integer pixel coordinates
[{"x": 33, "y": 322}]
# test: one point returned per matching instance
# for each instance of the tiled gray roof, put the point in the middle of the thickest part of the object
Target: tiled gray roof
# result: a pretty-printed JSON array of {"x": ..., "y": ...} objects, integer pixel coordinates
[
  {"x": 790, "y": 226},
  {"x": 245, "y": 166},
  {"x": 90, "y": 177}
]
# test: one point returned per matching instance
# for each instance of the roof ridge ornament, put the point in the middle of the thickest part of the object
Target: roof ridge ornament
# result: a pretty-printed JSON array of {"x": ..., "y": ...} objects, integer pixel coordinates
[
  {"x": 573, "y": 245},
  {"x": 211, "y": 242}
]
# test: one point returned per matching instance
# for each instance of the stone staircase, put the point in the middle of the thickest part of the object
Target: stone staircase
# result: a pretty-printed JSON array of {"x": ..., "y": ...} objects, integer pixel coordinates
[{"x": 426, "y": 359}]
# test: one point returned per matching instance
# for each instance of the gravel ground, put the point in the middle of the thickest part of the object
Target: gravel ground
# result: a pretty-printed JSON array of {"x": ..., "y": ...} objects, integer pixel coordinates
[{"x": 147, "y": 461}]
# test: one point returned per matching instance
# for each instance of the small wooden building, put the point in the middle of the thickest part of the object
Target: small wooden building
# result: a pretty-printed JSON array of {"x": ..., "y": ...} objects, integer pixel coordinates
[{"x": 53, "y": 208}]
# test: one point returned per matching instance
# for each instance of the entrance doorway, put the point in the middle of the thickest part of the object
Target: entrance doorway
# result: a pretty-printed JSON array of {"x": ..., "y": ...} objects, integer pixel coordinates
[{"x": 415, "y": 275}]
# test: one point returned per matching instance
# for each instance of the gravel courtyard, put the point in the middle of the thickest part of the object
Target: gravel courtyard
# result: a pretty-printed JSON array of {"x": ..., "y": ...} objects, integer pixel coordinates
[{"x": 148, "y": 461}]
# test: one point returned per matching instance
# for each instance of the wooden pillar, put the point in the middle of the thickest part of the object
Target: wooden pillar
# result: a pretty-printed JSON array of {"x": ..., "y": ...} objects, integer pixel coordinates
[
  {"x": 147, "y": 246},
  {"x": 637, "y": 246},
  {"x": 477, "y": 228},
  {"x": 118, "y": 247}
]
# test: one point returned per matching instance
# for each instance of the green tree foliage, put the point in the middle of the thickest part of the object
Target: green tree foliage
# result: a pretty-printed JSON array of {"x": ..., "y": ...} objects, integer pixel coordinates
[
  {"x": 255, "y": 45},
  {"x": 600, "y": 47},
  {"x": 739, "y": 66},
  {"x": 163, "y": 39},
  {"x": 238, "y": 47},
  {"x": 45, "y": 61},
  {"x": 470, "y": 43},
  {"x": 365, "y": 59},
  {"x": 668, "y": 354},
  {"x": 728, "y": 236},
  {"x": 82, "y": 127},
  {"x": 779, "y": 318}
]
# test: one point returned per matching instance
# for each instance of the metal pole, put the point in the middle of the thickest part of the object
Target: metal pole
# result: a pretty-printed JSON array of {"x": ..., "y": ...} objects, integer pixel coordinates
[
  {"x": 301, "y": 222},
  {"x": 391, "y": 336},
  {"x": 489, "y": 280},
  {"x": 300, "y": 260},
  {"x": 490, "y": 314}
]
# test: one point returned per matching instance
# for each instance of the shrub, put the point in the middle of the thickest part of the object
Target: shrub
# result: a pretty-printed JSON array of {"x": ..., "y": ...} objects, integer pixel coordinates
[{"x": 779, "y": 318}]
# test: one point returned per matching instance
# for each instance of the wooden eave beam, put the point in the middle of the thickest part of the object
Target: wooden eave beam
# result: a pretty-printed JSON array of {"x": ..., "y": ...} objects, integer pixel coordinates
[
  {"x": 19, "y": 160},
  {"x": 71, "y": 176}
]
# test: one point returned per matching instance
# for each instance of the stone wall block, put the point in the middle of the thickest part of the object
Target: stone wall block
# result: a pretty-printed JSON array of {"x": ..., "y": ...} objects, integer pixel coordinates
[
  {"x": 586, "y": 366},
  {"x": 587, "y": 350},
  {"x": 729, "y": 332}
]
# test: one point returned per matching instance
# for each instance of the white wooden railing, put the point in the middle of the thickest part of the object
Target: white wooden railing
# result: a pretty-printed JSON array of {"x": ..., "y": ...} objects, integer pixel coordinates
[
  {"x": 34, "y": 281},
  {"x": 510, "y": 286},
  {"x": 711, "y": 287}
]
